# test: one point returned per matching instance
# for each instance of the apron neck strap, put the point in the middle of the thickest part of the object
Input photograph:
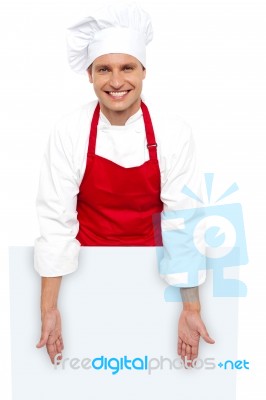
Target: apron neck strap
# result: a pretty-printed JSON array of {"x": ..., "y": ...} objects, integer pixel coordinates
[
  {"x": 151, "y": 144},
  {"x": 93, "y": 131}
]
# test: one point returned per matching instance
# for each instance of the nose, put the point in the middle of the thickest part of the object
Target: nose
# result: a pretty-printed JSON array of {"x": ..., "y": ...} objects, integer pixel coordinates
[{"x": 116, "y": 80}]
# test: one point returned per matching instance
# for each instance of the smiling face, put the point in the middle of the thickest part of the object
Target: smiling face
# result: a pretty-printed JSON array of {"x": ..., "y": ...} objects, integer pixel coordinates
[{"x": 117, "y": 82}]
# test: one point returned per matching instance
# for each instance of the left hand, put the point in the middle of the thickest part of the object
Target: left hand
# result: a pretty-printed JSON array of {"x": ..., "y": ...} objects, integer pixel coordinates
[
  {"x": 190, "y": 329},
  {"x": 51, "y": 336}
]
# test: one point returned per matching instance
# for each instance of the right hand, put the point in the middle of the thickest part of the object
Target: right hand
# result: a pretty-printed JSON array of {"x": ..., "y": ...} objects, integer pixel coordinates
[
  {"x": 190, "y": 329},
  {"x": 51, "y": 335}
]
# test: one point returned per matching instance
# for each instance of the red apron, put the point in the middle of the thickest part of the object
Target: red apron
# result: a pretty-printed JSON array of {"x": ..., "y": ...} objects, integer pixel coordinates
[{"x": 120, "y": 206}]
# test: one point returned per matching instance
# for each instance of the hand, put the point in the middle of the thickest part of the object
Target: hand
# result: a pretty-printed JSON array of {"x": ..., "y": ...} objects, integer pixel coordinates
[
  {"x": 51, "y": 334},
  {"x": 190, "y": 328}
]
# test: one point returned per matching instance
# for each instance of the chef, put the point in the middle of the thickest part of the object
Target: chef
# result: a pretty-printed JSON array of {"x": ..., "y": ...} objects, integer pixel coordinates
[{"x": 112, "y": 168}]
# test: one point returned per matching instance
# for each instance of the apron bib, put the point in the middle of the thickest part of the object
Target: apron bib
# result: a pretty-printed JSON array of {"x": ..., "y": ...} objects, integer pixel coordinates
[{"x": 120, "y": 206}]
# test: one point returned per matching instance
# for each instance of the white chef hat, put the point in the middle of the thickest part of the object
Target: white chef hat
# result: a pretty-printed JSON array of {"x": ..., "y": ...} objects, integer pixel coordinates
[{"x": 121, "y": 28}]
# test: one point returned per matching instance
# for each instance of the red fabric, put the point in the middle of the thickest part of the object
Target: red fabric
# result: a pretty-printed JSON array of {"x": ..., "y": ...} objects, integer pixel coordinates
[{"x": 120, "y": 206}]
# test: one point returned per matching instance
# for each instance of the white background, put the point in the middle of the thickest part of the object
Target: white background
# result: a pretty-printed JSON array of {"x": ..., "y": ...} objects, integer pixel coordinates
[{"x": 208, "y": 57}]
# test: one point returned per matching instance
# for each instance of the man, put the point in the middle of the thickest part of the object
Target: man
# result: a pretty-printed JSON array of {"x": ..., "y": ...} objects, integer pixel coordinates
[{"x": 103, "y": 182}]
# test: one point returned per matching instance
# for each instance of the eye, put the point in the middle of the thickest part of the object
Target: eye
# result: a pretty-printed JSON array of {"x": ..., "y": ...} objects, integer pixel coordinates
[
  {"x": 128, "y": 68},
  {"x": 103, "y": 69}
]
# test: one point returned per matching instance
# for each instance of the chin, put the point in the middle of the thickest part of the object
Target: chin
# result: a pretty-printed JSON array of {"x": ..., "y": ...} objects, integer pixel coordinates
[{"x": 118, "y": 106}]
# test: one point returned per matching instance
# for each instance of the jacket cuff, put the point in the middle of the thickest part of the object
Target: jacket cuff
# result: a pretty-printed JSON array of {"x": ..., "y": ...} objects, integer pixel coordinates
[
  {"x": 181, "y": 279},
  {"x": 55, "y": 259}
]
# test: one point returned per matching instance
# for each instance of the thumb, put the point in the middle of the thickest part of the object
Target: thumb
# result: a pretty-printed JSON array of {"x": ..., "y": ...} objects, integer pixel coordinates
[
  {"x": 43, "y": 340},
  {"x": 205, "y": 336}
]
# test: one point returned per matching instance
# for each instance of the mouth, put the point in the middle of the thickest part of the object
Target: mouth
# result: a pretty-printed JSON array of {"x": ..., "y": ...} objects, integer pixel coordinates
[{"x": 117, "y": 94}]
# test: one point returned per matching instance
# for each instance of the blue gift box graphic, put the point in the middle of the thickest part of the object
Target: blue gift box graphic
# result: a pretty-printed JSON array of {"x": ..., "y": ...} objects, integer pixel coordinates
[{"x": 211, "y": 237}]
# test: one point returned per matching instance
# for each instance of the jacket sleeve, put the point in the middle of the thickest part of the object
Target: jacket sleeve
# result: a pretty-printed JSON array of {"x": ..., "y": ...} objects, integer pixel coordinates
[
  {"x": 183, "y": 261},
  {"x": 56, "y": 250}
]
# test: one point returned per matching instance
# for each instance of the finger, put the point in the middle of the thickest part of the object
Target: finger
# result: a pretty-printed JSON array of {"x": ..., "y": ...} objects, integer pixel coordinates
[
  {"x": 51, "y": 349},
  {"x": 179, "y": 348},
  {"x": 43, "y": 340},
  {"x": 54, "y": 355},
  {"x": 58, "y": 358},
  {"x": 62, "y": 343},
  {"x": 204, "y": 334},
  {"x": 184, "y": 347},
  {"x": 58, "y": 346},
  {"x": 188, "y": 356},
  {"x": 194, "y": 352},
  {"x": 188, "y": 352}
]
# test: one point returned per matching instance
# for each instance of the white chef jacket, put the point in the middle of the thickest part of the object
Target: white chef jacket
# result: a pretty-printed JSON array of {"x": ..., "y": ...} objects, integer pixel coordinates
[{"x": 63, "y": 167}]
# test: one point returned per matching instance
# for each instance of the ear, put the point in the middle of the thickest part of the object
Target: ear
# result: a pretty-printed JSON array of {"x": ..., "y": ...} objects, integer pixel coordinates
[
  {"x": 89, "y": 71},
  {"x": 144, "y": 73}
]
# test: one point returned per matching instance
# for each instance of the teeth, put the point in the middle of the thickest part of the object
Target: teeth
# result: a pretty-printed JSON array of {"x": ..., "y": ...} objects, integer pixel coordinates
[{"x": 117, "y": 94}]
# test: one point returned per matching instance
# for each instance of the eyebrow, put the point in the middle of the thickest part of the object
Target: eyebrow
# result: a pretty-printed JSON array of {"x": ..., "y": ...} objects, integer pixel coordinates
[{"x": 131, "y": 64}]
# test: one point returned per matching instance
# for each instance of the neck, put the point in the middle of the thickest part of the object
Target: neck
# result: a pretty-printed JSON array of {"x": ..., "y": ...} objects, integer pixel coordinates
[{"x": 119, "y": 118}]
